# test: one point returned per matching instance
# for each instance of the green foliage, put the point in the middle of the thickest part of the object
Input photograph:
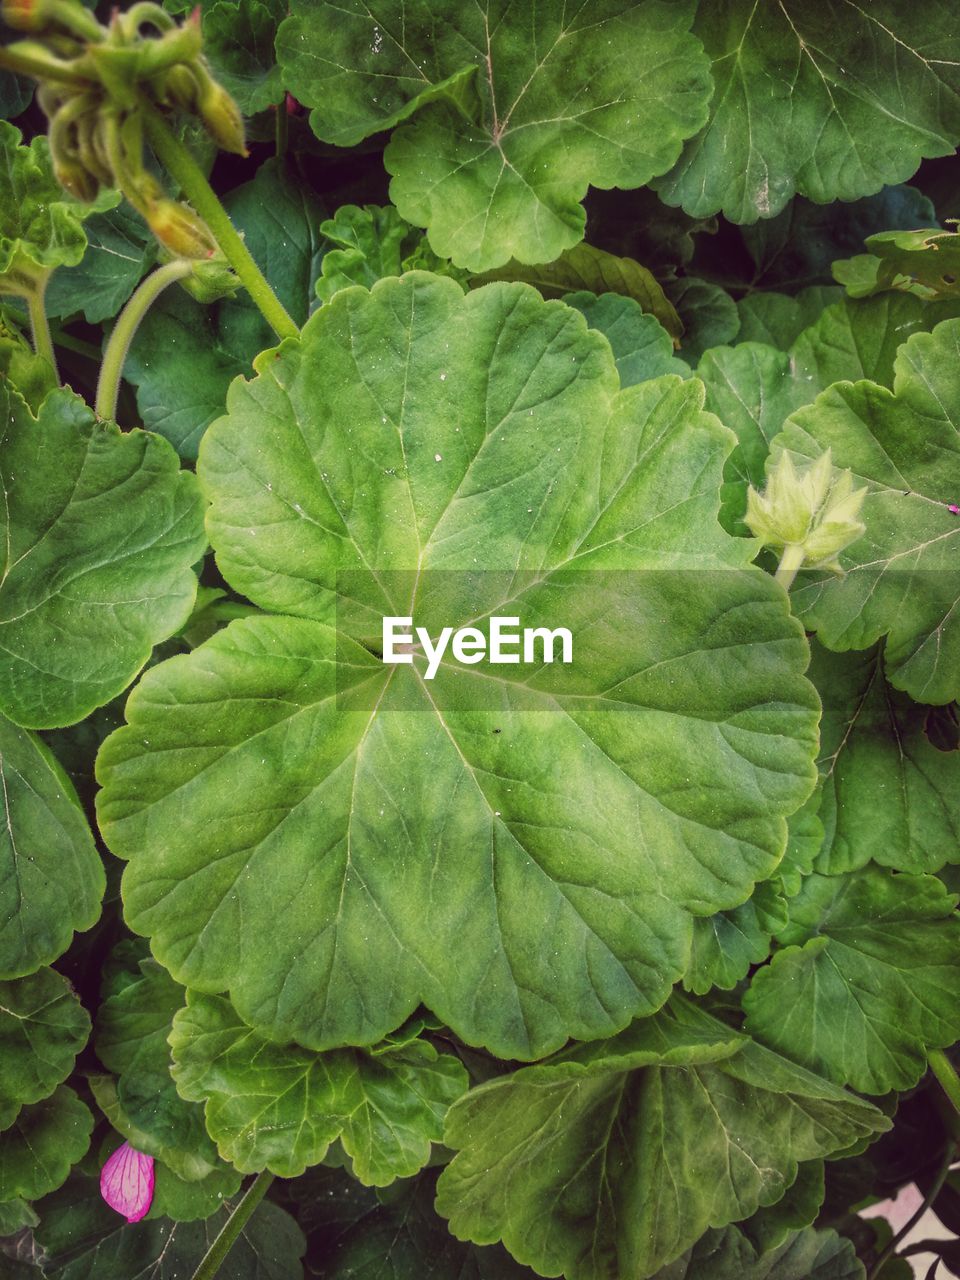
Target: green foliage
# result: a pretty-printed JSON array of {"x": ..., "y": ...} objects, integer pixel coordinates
[{"x": 42, "y": 1029}]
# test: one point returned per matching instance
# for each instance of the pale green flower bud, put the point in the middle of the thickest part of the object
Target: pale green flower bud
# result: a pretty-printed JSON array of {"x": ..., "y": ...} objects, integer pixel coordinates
[{"x": 808, "y": 516}]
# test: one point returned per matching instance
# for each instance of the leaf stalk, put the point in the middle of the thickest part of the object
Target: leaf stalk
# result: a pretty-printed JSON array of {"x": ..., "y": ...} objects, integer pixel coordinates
[{"x": 217, "y": 1253}]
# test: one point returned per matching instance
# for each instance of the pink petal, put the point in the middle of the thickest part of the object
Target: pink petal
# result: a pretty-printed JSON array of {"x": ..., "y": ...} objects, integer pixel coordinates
[{"x": 126, "y": 1182}]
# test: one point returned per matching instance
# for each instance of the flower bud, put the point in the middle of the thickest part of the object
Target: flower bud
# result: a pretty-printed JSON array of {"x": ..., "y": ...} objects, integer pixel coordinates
[
  {"x": 811, "y": 511},
  {"x": 222, "y": 117},
  {"x": 211, "y": 280},
  {"x": 75, "y": 179},
  {"x": 126, "y": 1182},
  {"x": 25, "y": 15},
  {"x": 180, "y": 230}
]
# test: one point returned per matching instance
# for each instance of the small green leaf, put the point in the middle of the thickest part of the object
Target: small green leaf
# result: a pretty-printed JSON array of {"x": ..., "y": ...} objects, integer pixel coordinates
[
  {"x": 928, "y": 258},
  {"x": 51, "y": 876},
  {"x": 888, "y": 794},
  {"x": 821, "y": 97},
  {"x": 901, "y": 578},
  {"x": 276, "y": 1107},
  {"x": 43, "y": 1027},
  {"x": 641, "y": 346},
  {"x": 805, "y": 1255},
  {"x": 120, "y": 250},
  {"x": 778, "y": 319},
  {"x": 771, "y": 1226},
  {"x": 39, "y": 1148},
  {"x": 238, "y": 39},
  {"x": 708, "y": 315},
  {"x": 586, "y": 268},
  {"x": 724, "y": 947},
  {"x": 612, "y": 1160},
  {"x": 101, "y": 531},
  {"x": 516, "y": 110},
  {"x": 866, "y": 982},
  {"x": 372, "y": 243}
]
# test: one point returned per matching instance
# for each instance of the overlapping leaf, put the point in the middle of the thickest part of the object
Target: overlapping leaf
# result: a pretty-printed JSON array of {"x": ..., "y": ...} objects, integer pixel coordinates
[
  {"x": 101, "y": 530},
  {"x": 641, "y": 346},
  {"x": 43, "y": 1027},
  {"x": 901, "y": 578},
  {"x": 828, "y": 98},
  {"x": 805, "y": 1255},
  {"x": 613, "y": 1158},
  {"x": 280, "y": 1107},
  {"x": 517, "y": 109},
  {"x": 867, "y": 980},
  {"x": 415, "y": 426},
  {"x": 51, "y": 876}
]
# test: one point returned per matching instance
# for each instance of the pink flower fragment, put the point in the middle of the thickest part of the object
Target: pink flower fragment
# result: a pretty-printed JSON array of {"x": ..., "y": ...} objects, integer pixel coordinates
[{"x": 126, "y": 1182}]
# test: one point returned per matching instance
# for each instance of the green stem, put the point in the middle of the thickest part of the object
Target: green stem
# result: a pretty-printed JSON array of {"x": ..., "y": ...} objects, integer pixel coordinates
[
  {"x": 69, "y": 343},
  {"x": 45, "y": 68},
  {"x": 790, "y": 563},
  {"x": 108, "y": 384},
  {"x": 181, "y": 165},
  {"x": 40, "y": 328},
  {"x": 224, "y": 1242},
  {"x": 943, "y": 1069},
  {"x": 935, "y": 1189}
]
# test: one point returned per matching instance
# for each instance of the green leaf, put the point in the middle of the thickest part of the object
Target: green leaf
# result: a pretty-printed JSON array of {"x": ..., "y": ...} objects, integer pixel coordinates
[
  {"x": 43, "y": 1027},
  {"x": 238, "y": 39},
  {"x": 729, "y": 1255},
  {"x": 133, "y": 1026},
  {"x": 612, "y": 1160},
  {"x": 14, "y": 1215},
  {"x": 16, "y": 94},
  {"x": 86, "y": 1240},
  {"x": 516, "y": 110},
  {"x": 805, "y": 837},
  {"x": 821, "y": 97},
  {"x": 205, "y": 347},
  {"x": 888, "y": 793},
  {"x": 32, "y": 375},
  {"x": 666, "y": 802},
  {"x": 101, "y": 531},
  {"x": 586, "y": 268},
  {"x": 39, "y": 1148},
  {"x": 900, "y": 578},
  {"x": 708, "y": 314},
  {"x": 771, "y": 1226},
  {"x": 929, "y": 258},
  {"x": 51, "y": 876},
  {"x": 403, "y": 1237},
  {"x": 372, "y": 243},
  {"x": 276, "y": 1107},
  {"x": 724, "y": 947},
  {"x": 641, "y": 346},
  {"x": 865, "y": 984},
  {"x": 191, "y": 1200},
  {"x": 41, "y": 227},
  {"x": 778, "y": 319},
  {"x": 120, "y": 250}
]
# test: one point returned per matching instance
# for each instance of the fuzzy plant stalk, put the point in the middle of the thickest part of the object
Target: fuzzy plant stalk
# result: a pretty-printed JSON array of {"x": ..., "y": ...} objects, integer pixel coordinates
[{"x": 217, "y": 1253}]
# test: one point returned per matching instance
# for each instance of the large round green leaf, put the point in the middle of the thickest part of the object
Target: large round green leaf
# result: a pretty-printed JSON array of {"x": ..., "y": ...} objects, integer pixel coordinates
[
  {"x": 302, "y": 819},
  {"x": 38, "y": 1149},
  {"x": 51, "y": 876},
  {"x": 43, "y": 1027},
  {"x": 613, "y": 1158},
  {"x": 101, "y": 529},
  {"x": 867, "y": 981},
  {"x": 828, "y": 98},
  {"x": 279, "y": 1107},
  {"x": 518, "y": 108},
  {"x": 902, "y": 577}
]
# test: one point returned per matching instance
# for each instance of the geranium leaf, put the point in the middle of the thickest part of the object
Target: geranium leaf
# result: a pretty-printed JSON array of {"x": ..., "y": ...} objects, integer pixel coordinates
[
  {"x": 119, "y": 251},
  {"x": 371, "y": 242},
  {"x": 585, "y": 268},
  {"x": 86, "y": 1240},
  {"x": 888, "y": 793},
  {"x": 805, "y": 1255},
  {"x": 43, "y": 1027},
  {"x": 205, "y": 347},
  {"x": 778, "y": 319},
  {"x": 724, "y": 947},
  {"x": 613, "y": 1161},
  {"x": 41, "y": 227},
  {"x": 238, "y": 38},
  {"x": 929, "y": 258},
  {"x": 51, "y": 876},
  {"x": 276, "y": 1107},
  {"x": 39, "y": 1148},
  {"x": 774, "y": 1224},
  {"x": 641, "y": 346},
  {"x": 443, "y": 404},
  {"x": 865, "y": 983},
  {"x": 707, "y": 312},
  {"x": 101, "y": 531},
  {"x": 516, "y": 110},
  {"x": 825, "y": 98},
  {"x": 900, "y": 577}
]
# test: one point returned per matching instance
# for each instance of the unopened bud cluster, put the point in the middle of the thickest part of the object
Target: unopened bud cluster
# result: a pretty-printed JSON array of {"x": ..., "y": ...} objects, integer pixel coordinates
[
  {"x": 813, "y": 514},
  {"x": 94, "y": 81}
]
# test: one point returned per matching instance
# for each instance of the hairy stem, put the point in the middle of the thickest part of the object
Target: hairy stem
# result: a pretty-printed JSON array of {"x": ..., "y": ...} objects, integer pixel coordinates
[
  {"x": 108, "y": 384},
  {"x": 181, "y": 165},
  {"x": 40, "y": 328},
  {"x": 944, "y": 1070},
  {"x": 790, "y": 563},
  {"x": 225, "y": 1241}
]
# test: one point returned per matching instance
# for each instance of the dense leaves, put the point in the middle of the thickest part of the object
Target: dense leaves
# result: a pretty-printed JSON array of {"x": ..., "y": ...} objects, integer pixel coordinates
[{"x": 42, "y": 1029}]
